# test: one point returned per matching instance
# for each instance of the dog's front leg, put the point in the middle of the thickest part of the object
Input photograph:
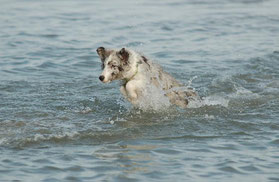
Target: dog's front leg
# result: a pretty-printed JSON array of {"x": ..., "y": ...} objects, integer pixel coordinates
[
  {"x": 131, "y": 91},
  {"x": 123, "y": 91}
]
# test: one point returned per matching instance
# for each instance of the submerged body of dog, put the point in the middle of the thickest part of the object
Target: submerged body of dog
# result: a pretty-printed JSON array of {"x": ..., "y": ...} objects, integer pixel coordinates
[{"x": 137, "y": 74}]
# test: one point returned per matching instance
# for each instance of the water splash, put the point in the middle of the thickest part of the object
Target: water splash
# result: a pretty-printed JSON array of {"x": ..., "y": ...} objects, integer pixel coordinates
[
  {"x": 189, "y": 85},
  {"x": 153, "y": 99},
  {"x": 157, "y": 100}
]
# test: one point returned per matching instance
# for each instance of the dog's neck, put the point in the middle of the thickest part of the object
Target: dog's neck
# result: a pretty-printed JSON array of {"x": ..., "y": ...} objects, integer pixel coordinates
[{"x": 126, "y": 80}]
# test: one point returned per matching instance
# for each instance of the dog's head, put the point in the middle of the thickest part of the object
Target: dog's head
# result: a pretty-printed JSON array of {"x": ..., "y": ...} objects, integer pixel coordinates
[{"x": 114, "y": 64}]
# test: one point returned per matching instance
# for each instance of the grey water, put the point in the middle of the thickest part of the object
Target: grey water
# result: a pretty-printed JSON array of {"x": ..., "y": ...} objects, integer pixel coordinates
[{"x": 58, "y": 122}]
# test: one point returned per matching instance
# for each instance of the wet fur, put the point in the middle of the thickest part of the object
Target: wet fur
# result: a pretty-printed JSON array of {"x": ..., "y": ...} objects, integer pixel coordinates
[{"x": 137, "y": 72}]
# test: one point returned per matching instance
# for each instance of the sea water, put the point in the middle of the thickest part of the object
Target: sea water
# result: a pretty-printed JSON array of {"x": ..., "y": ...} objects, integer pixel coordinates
[{"x": 58, "y": 122}]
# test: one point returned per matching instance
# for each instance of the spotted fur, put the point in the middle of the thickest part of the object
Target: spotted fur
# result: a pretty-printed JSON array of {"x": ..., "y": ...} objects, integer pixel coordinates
[{"x": 137, "y": 72}]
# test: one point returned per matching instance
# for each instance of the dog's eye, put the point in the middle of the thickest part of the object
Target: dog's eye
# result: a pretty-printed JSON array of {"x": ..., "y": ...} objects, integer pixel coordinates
[{"x": 114, "y": 66}]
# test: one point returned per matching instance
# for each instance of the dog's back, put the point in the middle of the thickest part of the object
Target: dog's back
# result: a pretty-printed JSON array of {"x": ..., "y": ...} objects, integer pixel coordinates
[{"x": 177, "y": 93}]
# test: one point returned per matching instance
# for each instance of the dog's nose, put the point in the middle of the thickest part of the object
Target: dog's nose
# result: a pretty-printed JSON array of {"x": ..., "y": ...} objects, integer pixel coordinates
[{"x": 101, "y": 78}]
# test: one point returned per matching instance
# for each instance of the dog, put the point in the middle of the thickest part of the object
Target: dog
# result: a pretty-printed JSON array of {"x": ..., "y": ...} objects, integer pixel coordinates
[{"x": 138, "y": 73}]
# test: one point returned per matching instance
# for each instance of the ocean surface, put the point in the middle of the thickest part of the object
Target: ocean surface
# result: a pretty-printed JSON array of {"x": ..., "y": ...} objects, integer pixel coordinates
[{"x": 58, "y": 122}]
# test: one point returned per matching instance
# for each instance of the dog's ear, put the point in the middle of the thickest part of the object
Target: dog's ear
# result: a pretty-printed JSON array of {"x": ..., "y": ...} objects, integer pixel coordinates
[
  {"x": 123, "y": 54},
  {"x": 103, "y": 53}
]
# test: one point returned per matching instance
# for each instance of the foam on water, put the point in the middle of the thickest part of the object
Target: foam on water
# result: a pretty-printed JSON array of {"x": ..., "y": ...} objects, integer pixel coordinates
[{"x": 213, "y": 100}]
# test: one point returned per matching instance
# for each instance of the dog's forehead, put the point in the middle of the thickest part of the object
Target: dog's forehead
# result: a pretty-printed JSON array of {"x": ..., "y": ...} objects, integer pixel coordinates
[{"x": 113, "y": 58}]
